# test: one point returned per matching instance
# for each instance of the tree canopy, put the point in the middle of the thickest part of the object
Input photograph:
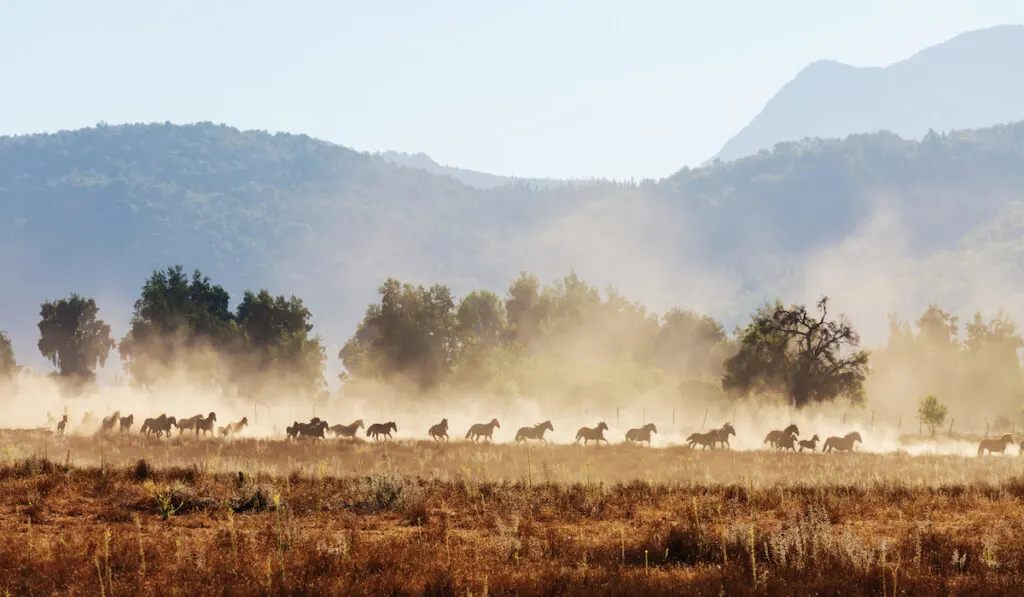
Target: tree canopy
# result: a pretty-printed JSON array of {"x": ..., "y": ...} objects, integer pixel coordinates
[
  {"x": 806, "y": 357},
  {"x": 73, "y": 337}
]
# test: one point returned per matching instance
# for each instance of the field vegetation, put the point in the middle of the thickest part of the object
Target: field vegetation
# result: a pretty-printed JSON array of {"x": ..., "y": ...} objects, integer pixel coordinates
[{"x": 414, "y": 518}]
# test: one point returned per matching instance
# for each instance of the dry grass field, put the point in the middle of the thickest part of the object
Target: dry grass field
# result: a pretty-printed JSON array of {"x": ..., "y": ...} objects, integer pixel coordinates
[{"x": 128, "y": 516}]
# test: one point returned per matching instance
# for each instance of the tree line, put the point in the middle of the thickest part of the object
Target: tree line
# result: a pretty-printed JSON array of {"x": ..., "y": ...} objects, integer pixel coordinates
[{"x": 566, "y": 338}]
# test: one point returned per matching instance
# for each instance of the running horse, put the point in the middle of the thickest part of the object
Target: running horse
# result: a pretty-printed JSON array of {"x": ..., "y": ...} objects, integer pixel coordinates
[
  {"x": 596, "y": 434},
  {"x": 774, "y": 435},
  {"x": 439, "y": 432},
  {"x": 842, "y": 444},
  {"x": 642, "y": 434},
  {"x": 384, "y": 429},
  {"x": 535, "y": 432},
  {"x": 483, "y": 430},
  {"x": 349, "y": 430}
]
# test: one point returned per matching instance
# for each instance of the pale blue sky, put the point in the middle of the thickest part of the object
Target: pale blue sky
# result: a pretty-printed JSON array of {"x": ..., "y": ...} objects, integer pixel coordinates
[{"x": 553, "y": 88}]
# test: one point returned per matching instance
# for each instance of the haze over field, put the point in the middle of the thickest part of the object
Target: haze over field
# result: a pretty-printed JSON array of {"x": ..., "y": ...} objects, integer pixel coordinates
[{"x": 878, "y": 223}]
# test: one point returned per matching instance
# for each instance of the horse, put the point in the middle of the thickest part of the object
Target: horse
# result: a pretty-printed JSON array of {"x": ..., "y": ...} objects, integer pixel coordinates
[
  {"x": 642, "y": 434},
  {"x": 159, "y": 425},
  {"x": 722, "y": 434},
  {"x": 62, "y": 425},
  {"x": 596, "y": 434},
  {"x": 346, "y": 430},
  {"x": 706, "y": 439},
  {"x": 439, "y": 432},
  {"x": 810, "y": 444},
  {"x": 483, "y": 430},
  {"x": 233, "y": 427},
  {"x": 786, "y": 442},
  {"x": 994, "y": 445},
  {"x": 315, "y": 428},
  {"x": 108, "y": 422},
  {"x": 126, "y": 423},
  {"x": 842, "y": 444},
  {"x": 535, "y": 432},
  {"x": 774, "y": 435},
  {"x": 378, "y": 429},
  {"x": 206, "y": 424},
  {"x": 188, "y": 424}
]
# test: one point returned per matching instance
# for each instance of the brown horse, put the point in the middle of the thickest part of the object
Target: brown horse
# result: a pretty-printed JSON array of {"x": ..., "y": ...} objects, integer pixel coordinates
[
  {"x": 810, "y": 444},
  {"x": 233, "y": 427},
  {"x": 535, "y": 432},
  {"x": 378, "y": 429},
  {"x": 483, "y": 430},
  {"x": 126, "y": 423},
  {"x": 439, "y": 432},
  {"x": 995, "y": 445},
  {"x": 774, "y": 435},
  {"x": 596, "y": 434},
  {"x": 842, "y": 444},
  {"x": 642, "y": 434},
  {"x": 340, "y": 430}
]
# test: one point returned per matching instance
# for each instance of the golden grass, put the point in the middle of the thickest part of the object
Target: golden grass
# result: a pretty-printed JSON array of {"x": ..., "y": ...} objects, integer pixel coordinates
[{"x": 255, "y": 517}]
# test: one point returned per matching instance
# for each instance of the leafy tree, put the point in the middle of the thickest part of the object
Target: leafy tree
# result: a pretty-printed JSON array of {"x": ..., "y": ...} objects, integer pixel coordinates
[
  {"x": 932, "y": 412},
  {"x": 7, "y": 362},
  {"x": 278, "y": 343},
  {"x": 809, "y": 358},
  {"x": 172, "y": 315},
  {"x": 72, "y": 337},
  {"x": 688, "y": 345},
  {"x": 410, "y": 333}
]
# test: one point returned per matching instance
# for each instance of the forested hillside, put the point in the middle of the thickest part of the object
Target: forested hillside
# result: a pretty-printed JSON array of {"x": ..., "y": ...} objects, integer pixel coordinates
[{"x": 96, "y": 211}]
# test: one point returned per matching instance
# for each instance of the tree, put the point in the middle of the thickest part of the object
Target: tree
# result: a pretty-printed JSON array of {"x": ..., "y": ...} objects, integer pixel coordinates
[
  {"x": 72, "y": 337},
  {"x": 7, "y": 363},
  {"x": 410, "y": 333},
  {"x": 931, "y": 412},
  {"x": 175, "y": 314},
  {"x": 278, "y": 343},
  {"x": 809, "y": 358}
]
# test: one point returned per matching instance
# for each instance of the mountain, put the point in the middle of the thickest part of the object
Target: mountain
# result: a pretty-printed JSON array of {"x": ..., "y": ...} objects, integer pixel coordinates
[
  {"x": 470, "y": 178},
  {"x": 969, "y": 81},
  {"x": 96, "y": 210}
]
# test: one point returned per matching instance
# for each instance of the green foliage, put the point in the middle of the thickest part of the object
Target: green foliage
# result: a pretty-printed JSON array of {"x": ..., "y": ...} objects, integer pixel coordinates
[
  {"x": 564, "y": 338},
  {"x": 72, "y": 337},
  {"x": 7, "y": 363},
  {"x": 180, "y": 321},
  {"x": 173, "y": 316},
  {"x": 932, "y": 412},
  {"x": 808, "y": 358}
]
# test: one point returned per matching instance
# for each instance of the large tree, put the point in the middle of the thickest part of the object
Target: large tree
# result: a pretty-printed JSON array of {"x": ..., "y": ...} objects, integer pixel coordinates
[
  {"x": 278, "y": 342},
  {"x": 809, "y": 358},
  {"x": 410, "y": 333},
  {"x": 175, "y": 314},
  {"x": 72, "y": 337}
]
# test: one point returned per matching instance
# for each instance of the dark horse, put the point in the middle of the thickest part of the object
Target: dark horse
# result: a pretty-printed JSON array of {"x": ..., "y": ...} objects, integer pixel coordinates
[
  {"x": 439, "y": 432},
  {"x": 158, "y": 425},
  {"x": 378, "y": 429},
  {"x": 206, "y": 424},
  {"x": 535, "y": 432}
]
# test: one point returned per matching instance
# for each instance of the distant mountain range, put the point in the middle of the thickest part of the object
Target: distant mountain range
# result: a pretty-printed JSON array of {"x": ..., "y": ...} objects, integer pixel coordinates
[
  {"x": 970, "y": 81},
  {"x": 900, "y": 223}
]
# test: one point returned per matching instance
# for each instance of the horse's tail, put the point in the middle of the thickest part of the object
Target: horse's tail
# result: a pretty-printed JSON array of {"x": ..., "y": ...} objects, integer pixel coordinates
[
  {"x": 828, "y": 445},
  {"x": 981, "y": 448},
  {"x": 469, "y": 433},
  {"x": 368, "y": 430}
]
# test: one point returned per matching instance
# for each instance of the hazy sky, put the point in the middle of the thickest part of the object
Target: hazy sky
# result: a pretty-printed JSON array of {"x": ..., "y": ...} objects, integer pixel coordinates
[{"x": 556, "y": 88}]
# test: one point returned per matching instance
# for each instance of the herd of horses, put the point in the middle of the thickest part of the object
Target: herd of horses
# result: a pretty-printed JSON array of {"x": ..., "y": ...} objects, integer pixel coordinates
[{"x": 780, "y": 439}]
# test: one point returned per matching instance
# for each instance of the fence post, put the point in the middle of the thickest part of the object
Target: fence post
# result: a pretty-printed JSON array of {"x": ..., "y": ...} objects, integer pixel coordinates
[
  {"x": 872, "y": 420},
  {"x": 673, "y": 420},
  {"x": 704, "y": 425},
  {"x": 951, "y": 421},
  {"x": 899, "y": 424}
]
